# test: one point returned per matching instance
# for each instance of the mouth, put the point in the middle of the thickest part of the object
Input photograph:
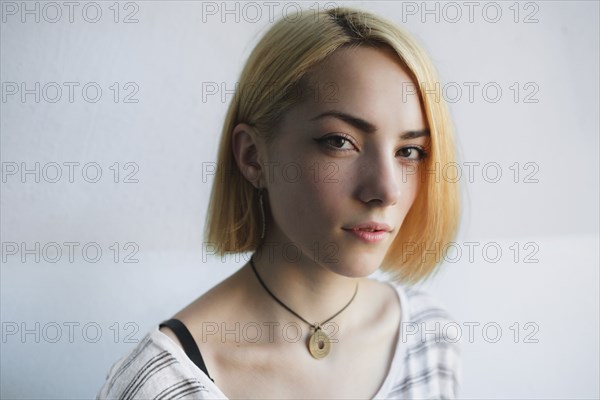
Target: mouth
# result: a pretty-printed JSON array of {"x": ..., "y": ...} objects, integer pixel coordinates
[
  {"x": 371, "y": 227},
  {"x": 370, "y": 232}
]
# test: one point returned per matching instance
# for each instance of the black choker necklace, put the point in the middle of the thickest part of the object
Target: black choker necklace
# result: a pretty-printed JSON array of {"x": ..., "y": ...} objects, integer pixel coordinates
[{"x": 319, "y": 343}]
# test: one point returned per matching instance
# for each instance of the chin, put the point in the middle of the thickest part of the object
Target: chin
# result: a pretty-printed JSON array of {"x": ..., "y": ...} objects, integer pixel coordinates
[{"x": 353, "y": 269}]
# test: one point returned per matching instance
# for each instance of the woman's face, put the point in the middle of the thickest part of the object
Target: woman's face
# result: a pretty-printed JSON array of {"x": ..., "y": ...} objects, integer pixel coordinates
[{"x": 348, "y": 155}]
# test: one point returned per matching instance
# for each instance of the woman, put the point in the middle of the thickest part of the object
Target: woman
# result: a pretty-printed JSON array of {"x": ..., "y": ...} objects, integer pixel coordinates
[{"x": 326, "y": 173}]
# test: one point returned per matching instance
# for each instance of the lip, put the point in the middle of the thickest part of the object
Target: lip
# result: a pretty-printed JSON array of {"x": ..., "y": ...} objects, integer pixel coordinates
[{"x": 370, "y": 232}]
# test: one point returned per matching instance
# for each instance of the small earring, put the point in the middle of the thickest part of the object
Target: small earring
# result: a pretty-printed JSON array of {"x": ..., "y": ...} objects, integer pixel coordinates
[{"x": 262, "y": 211}]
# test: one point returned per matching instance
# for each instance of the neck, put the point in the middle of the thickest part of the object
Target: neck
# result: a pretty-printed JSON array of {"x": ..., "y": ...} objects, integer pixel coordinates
[{"x": 302, "y": 284}]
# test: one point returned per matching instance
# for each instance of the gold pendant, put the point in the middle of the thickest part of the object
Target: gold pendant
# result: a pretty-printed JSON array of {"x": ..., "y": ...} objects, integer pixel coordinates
[{"x": 319, "y": 344}]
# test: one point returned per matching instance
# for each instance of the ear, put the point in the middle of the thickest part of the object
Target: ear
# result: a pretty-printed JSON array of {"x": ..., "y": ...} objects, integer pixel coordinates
[{"x": 245, "y": 147}]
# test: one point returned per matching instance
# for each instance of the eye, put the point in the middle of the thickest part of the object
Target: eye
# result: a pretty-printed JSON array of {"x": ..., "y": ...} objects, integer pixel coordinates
[
  {"x": 336, "y": 142},
  {"x": 413, "y": 153}
]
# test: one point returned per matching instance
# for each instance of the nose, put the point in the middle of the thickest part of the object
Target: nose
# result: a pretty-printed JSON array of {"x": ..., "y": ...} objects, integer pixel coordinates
[{"x": 380, "y": 181}]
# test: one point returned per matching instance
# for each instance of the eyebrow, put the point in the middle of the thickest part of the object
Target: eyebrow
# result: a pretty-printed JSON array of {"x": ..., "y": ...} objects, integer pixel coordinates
[{"x": 366, "y": 126}]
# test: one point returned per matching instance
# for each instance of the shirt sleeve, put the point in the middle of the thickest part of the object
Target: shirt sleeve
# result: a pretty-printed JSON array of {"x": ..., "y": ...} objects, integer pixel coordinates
[
  {"x": 433, "y": 364},
  {"x": 151, "y": 372}
]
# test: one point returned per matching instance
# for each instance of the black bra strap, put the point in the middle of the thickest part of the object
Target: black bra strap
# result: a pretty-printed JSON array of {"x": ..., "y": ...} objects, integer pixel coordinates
[{"x": 187, "y": 341}]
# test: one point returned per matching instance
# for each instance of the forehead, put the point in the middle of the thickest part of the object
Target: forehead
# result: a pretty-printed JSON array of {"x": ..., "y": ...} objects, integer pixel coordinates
[{"x": 367, "y": 81}]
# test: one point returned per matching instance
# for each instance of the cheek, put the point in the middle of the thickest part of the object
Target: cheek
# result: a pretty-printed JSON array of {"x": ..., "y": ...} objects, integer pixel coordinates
[
  {"x": 306, "y": 198},
  {"x": 411, "y": 187},
  {"x": 410, "y": 191}
]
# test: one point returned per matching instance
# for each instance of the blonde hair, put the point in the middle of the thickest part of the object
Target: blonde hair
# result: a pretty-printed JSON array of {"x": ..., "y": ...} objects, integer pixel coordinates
[{"x": 279, "y": 65}]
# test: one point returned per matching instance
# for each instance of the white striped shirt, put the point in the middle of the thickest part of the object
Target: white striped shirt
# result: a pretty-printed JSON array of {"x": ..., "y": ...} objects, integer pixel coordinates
[{"x": 426, "y": 363}]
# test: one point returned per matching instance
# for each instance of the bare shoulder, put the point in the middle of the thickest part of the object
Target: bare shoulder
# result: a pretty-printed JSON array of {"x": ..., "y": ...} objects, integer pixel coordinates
[
  {"x": 379, "y": 307},
  {"x": 222, "y": 299},
  {"x": 384, "y": 293}
]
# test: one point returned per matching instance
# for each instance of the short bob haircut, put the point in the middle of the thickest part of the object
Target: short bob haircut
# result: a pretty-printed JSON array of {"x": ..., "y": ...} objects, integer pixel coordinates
[{"x": 282, "y": 60}]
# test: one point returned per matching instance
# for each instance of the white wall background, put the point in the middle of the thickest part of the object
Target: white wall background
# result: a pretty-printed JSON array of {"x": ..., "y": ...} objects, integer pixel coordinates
[{"x": 177, "y": 48}]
